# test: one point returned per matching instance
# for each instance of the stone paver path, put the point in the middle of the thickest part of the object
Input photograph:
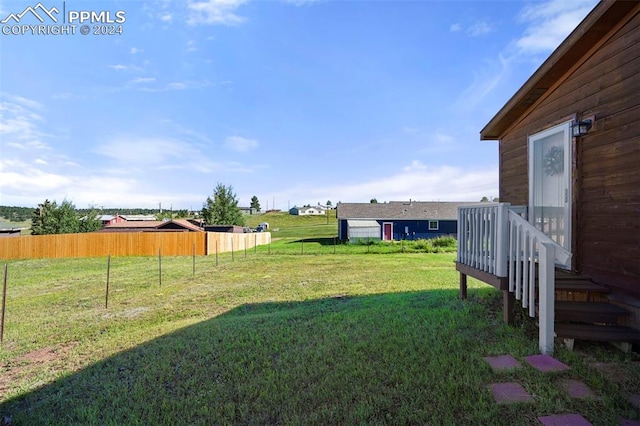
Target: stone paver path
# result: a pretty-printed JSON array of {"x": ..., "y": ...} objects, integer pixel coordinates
[
  {"x": 564, "y": 420},
  {"x": 508, "y": 393},
  {"x": 513, "y": 392},
  {"x": 545, "y": 363},
  {"x": 502, "y": 362}
]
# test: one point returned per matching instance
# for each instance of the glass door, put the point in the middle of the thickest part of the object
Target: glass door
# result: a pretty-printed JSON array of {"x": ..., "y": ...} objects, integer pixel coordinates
[{"x": 549, "y": 183}]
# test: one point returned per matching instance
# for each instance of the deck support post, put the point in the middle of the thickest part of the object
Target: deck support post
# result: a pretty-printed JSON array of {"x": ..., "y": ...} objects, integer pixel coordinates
[
  {"x": 463, "y": 286},
  {"x": 508, "y": 304}
]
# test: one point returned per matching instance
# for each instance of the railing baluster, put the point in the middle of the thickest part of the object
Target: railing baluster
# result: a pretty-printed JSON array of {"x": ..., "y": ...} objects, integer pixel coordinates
[
  {"x": 525, "y": 269},
  {"x": 512, "y": 244},
  {"x": 532, "y": 279},
  {"x": 518, "y": 293}
]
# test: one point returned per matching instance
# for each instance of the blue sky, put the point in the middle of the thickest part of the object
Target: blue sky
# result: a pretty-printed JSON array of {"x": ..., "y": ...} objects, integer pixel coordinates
[{"x": 296, "y": 102}]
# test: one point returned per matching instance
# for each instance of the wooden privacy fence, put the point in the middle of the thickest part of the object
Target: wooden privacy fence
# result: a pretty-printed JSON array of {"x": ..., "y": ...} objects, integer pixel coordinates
[
  {"x": 126, "y": 244},
  {"x": 225, "y": 241}
]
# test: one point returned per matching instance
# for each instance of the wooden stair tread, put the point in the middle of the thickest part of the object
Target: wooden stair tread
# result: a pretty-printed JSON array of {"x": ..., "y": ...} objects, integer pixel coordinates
[
  {"x": 563, "y": 275},
  {"x": 597, "y": 333},
  {"x": 580, "y": 286},
  {"x": 588, "y": 312},
  {"x": 590, "y": 307}
]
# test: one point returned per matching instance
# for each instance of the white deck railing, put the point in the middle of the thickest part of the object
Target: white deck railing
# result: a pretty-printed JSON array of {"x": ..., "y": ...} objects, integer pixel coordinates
[{"x": 495, "y": 238}]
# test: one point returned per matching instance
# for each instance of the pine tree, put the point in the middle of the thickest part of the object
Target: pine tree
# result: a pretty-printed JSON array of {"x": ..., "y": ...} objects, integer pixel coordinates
[
  {"x": 255, "y": 204},
  {"x": 223, "y": 208}
]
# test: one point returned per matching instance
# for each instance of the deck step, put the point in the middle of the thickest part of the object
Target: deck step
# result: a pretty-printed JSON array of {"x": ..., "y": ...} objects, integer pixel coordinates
[
  {"x": 579, "y": 285},
  {"x": 564, "y": 275},
  {"x": 598, "y": 333},
  {"x": 588, "y": 312}
]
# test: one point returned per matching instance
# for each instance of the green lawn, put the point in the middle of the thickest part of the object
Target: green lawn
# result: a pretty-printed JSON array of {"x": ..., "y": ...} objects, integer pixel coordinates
[
  {"x": 286, "y": 338},
  {"x": 284, "y": 225}
]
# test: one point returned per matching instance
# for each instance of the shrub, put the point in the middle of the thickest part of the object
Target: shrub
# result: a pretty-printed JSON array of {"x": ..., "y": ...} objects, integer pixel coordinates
[{"x": 445, "y": 242}]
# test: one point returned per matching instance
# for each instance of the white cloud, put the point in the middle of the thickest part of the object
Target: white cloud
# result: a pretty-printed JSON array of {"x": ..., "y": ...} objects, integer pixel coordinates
[
  {"x": 301, "y": 2},
  {"x": 485, "y": 80},
  {"x": 416, "y": 181},
  {"x": 19, "y": 123},
  {"x": 135, "y": 50},
  {"x": 240, "y": 144},
  {"x": 216, "y": 12},
  {"x": 550, "y": 23},
  {"x": 144, "y": 151},
  {"x": 455, "y": 27},
  {"x": 479, "y": 28},
  {"x": 143, "y": 80},
  {"x": 118, "y": 67},
  {"x": 177, "y": 85},
  {"x": 166, "y": 17}
]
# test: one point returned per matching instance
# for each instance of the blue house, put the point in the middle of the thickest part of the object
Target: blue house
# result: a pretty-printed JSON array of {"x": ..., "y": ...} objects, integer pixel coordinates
[{"x": 397, "y": 220}]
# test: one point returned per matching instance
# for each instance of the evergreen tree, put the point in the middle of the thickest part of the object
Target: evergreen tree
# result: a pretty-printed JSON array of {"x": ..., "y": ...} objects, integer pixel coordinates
[
  {"x": 255, "y": 204},
  {"x": 223, "y": 208},
  {"x": 42, "y": 218},
  {"x": 51, "y": 218},
  {"x": 91, "y": 221}
]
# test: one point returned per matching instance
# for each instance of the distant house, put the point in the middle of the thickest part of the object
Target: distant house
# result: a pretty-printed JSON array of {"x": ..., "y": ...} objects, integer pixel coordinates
[
  {"x": 248, "y": 210},
  {"x": 108, "y": 219},
  {"x": 10, "y": 232},
  {"x": 307, "y": 211},
  {"x": 397, "y": 220},
  {"x": 138, "y": 217},
  {"x": 224, "y": 228},
  {"x": 175, "y": 225}
]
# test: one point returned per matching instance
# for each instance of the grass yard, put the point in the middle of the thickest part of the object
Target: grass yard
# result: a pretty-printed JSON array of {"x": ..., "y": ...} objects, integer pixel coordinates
[
  {"x": 351, "y": 338},
  {"x": 284, "y": 225}
]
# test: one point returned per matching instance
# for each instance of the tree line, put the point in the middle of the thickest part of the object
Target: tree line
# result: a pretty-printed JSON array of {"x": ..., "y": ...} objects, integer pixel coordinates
[{"x": 49, "y": 217}]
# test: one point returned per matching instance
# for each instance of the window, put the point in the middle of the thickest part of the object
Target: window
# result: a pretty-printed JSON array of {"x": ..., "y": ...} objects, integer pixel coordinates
[{"x": 433, "y": 225}]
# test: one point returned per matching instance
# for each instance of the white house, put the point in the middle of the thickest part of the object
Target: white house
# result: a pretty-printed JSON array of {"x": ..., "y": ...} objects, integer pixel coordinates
[{"x": 307, "y": 211}]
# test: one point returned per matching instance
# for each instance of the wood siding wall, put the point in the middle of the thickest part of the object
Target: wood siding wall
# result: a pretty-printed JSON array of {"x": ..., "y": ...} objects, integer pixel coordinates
[
  {"x": 606, "y": 162},
  {"x": 125, "y": 244}
]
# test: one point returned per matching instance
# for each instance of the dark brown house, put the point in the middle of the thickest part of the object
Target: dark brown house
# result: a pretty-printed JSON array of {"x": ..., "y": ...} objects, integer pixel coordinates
[
  {"x": 174, "y": 225},
  {"x": 569, "y": 144}
]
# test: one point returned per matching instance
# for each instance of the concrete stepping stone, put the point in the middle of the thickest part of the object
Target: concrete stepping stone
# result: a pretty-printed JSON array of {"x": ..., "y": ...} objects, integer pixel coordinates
[
  {"x": 509, "y": 393},
  {"x": 576, "y": 389},
  {"x": 564, "y": 420},
  {"x": 545, "y": 363},
  {"x": 502, "y": 362}
]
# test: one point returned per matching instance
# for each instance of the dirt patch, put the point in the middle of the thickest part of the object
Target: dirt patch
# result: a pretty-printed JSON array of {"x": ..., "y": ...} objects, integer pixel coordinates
[
  {"x": 50, "y": 353},
  {"x": 22, "y": 367},
  {"x": 39, "y": 355},
  {"x": 626, "y": 375}
]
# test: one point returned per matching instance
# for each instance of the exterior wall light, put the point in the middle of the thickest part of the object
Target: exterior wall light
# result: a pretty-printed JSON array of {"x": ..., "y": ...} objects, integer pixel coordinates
[{"x": 581, "y": 127}]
